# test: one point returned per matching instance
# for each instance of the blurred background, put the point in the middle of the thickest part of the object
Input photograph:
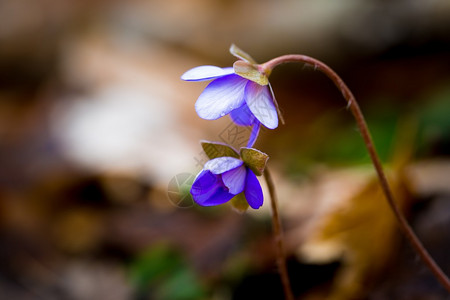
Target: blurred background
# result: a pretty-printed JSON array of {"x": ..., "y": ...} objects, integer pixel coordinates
[{"x": 99, "y": 142}]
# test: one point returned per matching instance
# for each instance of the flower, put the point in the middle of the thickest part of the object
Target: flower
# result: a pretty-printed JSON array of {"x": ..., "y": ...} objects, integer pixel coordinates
[
  {"x": 222, "y": 179},
  {"x": 248, "y": 99}
]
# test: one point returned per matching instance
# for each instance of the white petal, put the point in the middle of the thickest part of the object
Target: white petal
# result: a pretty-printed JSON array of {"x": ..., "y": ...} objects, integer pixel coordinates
[
  {"x": 206, "y": 73},
  {"x": 222, "y": 164}
]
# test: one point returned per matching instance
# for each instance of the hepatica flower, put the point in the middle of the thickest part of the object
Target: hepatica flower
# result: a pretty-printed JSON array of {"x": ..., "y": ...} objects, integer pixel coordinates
[
  {"x": 241, "y": 91},
  {"x": 230, "y": 176}
]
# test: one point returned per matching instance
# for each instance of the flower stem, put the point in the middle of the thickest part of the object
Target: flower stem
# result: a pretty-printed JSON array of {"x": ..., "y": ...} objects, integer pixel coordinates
[
  {"x": 362, "y": 125},
  {"x": 278, "y": 235}
]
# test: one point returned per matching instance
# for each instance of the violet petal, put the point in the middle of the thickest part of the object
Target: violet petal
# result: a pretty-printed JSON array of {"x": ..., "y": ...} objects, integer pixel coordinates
[
  {"x": 208, "y": 190},
  {"x": 242, "y": 116},
  {"x": 254, "y": 134},
  {"x": 260, "y": 102},
  {"x": 221, "y": 96},
  {"x": 234, "y": 179},
  {"x": 253, "y": 192}
]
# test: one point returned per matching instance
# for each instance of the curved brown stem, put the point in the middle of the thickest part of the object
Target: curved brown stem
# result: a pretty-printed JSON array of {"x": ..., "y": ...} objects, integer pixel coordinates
[
  {"x": 362, "y": 125},
  {"x": 278, "y": 234}
]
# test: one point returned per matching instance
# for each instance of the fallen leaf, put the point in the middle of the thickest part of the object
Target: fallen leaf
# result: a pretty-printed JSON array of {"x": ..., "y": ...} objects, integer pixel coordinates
[{"x": 361, "y": 232}]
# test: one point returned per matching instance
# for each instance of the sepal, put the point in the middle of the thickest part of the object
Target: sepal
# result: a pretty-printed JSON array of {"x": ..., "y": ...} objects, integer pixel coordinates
[
  {"x": 250, "y": 71},
  {"x": 235, "y": 51},
  {"x": 239, "y": 203},
  {"x": 216, "y": 149},
  {"x": 254, "y": 159}
]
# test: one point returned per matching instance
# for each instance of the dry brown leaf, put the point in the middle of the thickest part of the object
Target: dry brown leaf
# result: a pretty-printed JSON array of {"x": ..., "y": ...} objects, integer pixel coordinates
[{"x": 361, "y": 232}]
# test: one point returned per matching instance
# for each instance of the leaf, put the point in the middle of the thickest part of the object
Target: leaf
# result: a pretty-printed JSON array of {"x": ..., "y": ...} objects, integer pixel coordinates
[
  {"x": 163, "y": 271},
  {"x": 239, "y": 202},
  {"x": 360, "y": 231},
  {"x": 182, "y": 285},
  {"x": 216, "y": 149},
  {"x": 159, "y": 261},
  {"x": 250, "y": 72},
  {"x": 254, "y": 159},
  {"x": 237, "y": 52}
]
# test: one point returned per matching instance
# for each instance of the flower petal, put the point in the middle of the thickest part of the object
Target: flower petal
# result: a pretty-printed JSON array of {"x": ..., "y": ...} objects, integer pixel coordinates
[
  {"x": 260, "y": 102},
  {"x": 242, "y": 116},
  {"x": 220, "y": 197},
  {"x": 208, "y": 190},
  {"x": 234, "y": 179},
  {"x": 253, "y": 191},
  {"x": 222, "y": 164},
  {"x": 204, "y": 181},
  {"x": 254, "y": 134},
  {"x": 221, "y": 96},
  {"x": 206, "y": 73},
  {"x": 205, "y": 184}
]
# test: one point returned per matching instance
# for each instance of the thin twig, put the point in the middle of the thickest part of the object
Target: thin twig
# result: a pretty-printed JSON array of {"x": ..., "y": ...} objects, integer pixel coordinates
[
  {"x": 278, "y": 235},
  {"x": 362, "y": 125}
]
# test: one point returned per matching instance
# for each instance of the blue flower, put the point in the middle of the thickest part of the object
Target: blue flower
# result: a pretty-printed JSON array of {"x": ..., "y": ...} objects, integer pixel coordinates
[
  {"x": 249, "y": 103},
  {"x": 223, "y": 178},
  {"x": 246, "y": 100}
]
